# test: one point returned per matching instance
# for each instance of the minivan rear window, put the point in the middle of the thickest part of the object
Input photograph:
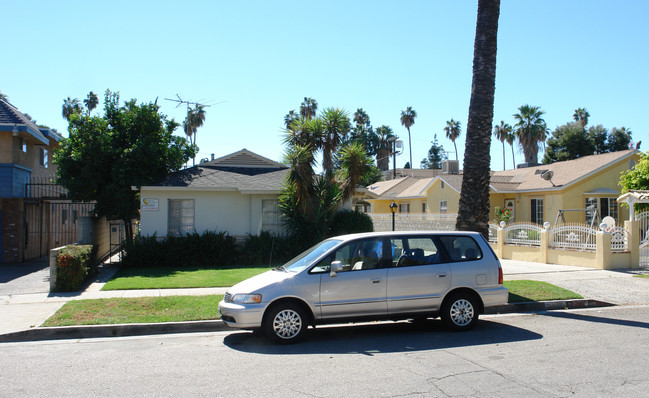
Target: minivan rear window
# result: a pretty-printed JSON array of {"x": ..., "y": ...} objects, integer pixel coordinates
[{"x": 461, "y": 248}]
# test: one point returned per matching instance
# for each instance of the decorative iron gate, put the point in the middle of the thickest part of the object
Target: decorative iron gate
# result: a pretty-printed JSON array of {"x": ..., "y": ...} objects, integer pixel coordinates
[{"x": 643, "y": 222}]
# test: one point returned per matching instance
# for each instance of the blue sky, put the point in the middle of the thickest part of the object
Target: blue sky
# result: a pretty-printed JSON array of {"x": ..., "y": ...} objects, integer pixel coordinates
[{"x": 256, "y": 60}]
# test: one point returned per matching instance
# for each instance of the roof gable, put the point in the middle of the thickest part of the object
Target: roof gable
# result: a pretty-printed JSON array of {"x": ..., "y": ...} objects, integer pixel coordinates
[
  {"x": 11, "y": 119},
  {"x": 244, "y": 158}
]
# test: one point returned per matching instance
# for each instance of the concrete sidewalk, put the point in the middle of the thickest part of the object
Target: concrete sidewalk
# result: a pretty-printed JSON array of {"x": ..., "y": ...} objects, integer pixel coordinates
[{"x": 21, "y": 314}]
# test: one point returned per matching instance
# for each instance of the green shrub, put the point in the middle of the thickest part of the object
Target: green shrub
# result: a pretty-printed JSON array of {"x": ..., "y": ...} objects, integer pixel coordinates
[
  {"x": 349, "y": 222},
  {"x": 74, "y": 264},
  {"x": 207, "y": 249},
  {"x": 267, "y": 249}
]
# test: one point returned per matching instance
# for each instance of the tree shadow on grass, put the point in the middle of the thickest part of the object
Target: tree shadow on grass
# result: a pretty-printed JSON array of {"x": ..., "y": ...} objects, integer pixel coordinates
[{"x": 382, "y": 337}]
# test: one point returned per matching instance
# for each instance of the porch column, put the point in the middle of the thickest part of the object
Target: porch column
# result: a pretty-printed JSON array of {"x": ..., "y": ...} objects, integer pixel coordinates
[
  {"x": 603, "y": 250},
  {"x": 633, "y": 229}
]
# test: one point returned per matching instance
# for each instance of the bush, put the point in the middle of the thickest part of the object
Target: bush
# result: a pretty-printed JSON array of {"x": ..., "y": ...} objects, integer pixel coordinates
[
  {"x": 207, "y": 250},
  {"x": 349, "y": 222},
  {"x": 267, "y": 249},
  {"x": 74, "y": 264}
]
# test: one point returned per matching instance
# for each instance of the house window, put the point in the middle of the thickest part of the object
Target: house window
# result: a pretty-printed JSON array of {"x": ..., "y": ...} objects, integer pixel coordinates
[
  {"x": 22, "y": 144},
  {"x": 271, "y": 217},
  {"x": 424, "y": 207},
  {"x": 42, "y": 157},
  {"x": 181, "y": 217},
  {"x": 536, "y": 209},
  {"x": 442, "y": 185},
  {"x": 603, "y": 207},
  {"x": 362, "y": 208},
  {"x": 404, "y": 208},
  {"x": 443, "y": 207}
]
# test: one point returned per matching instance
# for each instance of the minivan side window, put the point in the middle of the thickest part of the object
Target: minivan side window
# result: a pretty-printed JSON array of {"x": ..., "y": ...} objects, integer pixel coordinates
[
  {"x": 409, "y": 251},
  {"x": 355, "y": 256},
  {"x": 461, "y": 248}
]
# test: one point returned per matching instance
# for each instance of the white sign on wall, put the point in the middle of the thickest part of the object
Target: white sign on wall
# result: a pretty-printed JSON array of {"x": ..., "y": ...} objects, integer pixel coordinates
[{"x": 148, "y": 204}]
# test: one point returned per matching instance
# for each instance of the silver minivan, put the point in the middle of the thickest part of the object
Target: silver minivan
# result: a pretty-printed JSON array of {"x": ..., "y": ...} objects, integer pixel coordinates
[{"x": 371, "y": 276}]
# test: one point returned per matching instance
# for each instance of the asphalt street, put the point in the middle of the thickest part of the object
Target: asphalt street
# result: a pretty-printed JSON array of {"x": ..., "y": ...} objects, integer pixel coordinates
[{"x": 597, "y": 352}]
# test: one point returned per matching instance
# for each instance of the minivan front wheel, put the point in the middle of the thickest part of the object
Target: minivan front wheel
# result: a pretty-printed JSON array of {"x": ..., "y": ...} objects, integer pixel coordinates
[
  {"x": 285, "y": 323},
  {"x": 459, "y": 312}
]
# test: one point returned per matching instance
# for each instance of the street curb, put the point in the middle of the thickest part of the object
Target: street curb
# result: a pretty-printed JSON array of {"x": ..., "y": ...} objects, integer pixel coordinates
[
  {"x": 144, "y": 329},
  {"x": 98, "y": 331},
  {"x": 536, "y": 306}
]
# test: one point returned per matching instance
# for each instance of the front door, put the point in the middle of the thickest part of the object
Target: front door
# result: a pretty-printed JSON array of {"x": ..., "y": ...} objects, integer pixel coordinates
[{"x": 360, "y": 289}]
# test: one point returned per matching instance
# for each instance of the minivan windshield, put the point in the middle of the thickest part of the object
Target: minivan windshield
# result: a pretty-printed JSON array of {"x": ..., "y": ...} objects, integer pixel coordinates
[{"x": 309, "y": 256}]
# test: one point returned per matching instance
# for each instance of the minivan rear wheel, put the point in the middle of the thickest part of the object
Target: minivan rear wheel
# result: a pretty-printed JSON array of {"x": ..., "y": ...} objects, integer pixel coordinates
[
  {"x": 285, "y": 323},
  {"x": 459, "y": 312}
]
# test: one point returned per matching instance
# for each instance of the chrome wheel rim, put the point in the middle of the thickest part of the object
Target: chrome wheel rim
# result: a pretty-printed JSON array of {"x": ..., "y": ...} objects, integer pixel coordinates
[
  {"x": 462, "y": 312},
  {"x": 287, "y": 324}
]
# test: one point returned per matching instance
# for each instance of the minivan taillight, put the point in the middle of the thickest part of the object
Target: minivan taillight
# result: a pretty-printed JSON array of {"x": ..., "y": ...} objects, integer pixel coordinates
[{"x": 500, "y": 275}]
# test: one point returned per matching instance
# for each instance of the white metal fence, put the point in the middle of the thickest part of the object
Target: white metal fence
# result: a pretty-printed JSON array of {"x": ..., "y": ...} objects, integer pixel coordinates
[
  {"x": 523, "y": 234},
  {"x": 414, "y": 222},
  {"x": 643, "y": 220},
  {"x": 573, "y": 236}
]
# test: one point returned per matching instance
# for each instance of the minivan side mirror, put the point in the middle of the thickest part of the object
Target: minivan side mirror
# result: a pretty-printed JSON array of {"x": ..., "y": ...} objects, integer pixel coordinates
[{"x": 336, "y": 266}]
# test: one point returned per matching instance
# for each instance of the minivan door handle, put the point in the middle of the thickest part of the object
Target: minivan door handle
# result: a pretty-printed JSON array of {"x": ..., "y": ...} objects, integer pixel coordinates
[
  {"x": 376, "y": 281},
  {"x": 442, "y": 275}
]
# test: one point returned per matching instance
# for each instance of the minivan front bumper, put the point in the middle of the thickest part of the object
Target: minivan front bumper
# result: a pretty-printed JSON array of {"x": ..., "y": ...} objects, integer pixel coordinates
[{"x": 248, "y": 316}]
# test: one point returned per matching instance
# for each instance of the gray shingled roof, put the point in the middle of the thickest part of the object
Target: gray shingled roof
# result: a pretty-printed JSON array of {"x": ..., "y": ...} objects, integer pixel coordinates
[{"x": 242, "y": 179}]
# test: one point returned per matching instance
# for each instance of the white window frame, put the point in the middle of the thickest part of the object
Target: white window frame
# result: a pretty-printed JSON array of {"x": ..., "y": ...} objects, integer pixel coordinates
[
  {"x": 181, "y": 217},
  {"x": 404, "y": 206},
  {"x": 443, "y": 206},
  {"x": 271, "y": 216},
  {"x": 43, "y": 157},
  {"x": 536, "y": 212}
]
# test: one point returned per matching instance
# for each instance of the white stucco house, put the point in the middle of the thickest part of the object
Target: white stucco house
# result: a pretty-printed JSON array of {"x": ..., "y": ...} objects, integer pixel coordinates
[{"x": 237, "y": 193}]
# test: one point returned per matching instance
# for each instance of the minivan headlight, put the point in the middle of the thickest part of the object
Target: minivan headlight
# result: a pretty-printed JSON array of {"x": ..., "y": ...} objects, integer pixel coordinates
[{"x": 246, "y": 298}]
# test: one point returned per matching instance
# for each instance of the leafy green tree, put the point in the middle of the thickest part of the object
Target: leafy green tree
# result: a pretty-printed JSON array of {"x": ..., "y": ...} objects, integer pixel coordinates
[
  {"x": 530, "y": 129},
  {"x": 503, "y": 132},
  {"x": 581, "y": 116},
  {"x": 91, "y": 101},
  {"x": 569, "y": 141},
  {"x": 104, "y": 157},
  {"x": 618, "y": 139},
  {"x": 453, "y": 130},
  {"x": 637, "y": 178},
  {"x": 71, "y": 106},
  {"x": 407, "y": 120},
  {"x": 363, "y": 133},
  {"x": 598, "y": 135},
  {"x": 436, "y": 155},
  {"x": 473, "y": 213}
]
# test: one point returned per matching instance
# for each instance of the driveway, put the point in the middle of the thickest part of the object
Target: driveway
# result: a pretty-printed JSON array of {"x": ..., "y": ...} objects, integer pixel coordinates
[{"x": 25, "y": 278}]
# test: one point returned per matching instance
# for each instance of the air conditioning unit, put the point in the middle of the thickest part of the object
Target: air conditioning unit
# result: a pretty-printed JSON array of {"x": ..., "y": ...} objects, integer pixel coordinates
[{"x": 450, "y": 167}]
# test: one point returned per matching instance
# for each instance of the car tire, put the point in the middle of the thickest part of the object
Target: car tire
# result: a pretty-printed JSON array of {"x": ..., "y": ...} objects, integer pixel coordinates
[
  {"x": 285, "y": 323},
  {"x": 460, "y": 312}
]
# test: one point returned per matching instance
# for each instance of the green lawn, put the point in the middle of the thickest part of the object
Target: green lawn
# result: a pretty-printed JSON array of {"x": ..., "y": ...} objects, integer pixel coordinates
[
  {"x": 524, "y": 290},
  {"x": 173, "y": 278},
  {"x": 641, "y": 276},
  {"x": 136, "y": 310}
]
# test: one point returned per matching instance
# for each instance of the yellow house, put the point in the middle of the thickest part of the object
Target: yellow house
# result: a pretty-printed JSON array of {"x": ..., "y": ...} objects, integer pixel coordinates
[{"x": 583, "y": 190}]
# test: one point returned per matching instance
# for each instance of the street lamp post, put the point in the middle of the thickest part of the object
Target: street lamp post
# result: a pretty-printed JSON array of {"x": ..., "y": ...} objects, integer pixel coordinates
[{"x": 393, "y": 209}]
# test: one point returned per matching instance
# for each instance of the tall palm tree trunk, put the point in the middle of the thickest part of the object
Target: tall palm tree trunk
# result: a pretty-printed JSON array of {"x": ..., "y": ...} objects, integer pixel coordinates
[
  {"x": 503, "y": 155},
  {"x": 473, "y": 214}
]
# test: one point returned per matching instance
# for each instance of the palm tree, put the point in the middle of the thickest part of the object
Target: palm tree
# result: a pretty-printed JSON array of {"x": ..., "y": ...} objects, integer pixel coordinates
[
  {"x": 355, "y": 163},
  {"x": 384, "y": 134},
  {"x": 581, "y": 116},
  {"x": 308, "y": 108},
  {"x": 530, "y": 130},
  {"x": 70, "y": 107},
  {"x": 453, "y": 130},
  {"x": 4, "y": 97},
  {"x": 510, "y": 140},
  {"x": 91, "y": 102},
  {"x": 335, "y": 129},
  {"x": 290, "y": 118},
  {"x": 195, "y": 119},
  {"x": 408, "y": 119},
  {"x": 502, "y": 133},
  {"x": 473, "y": 212}
]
